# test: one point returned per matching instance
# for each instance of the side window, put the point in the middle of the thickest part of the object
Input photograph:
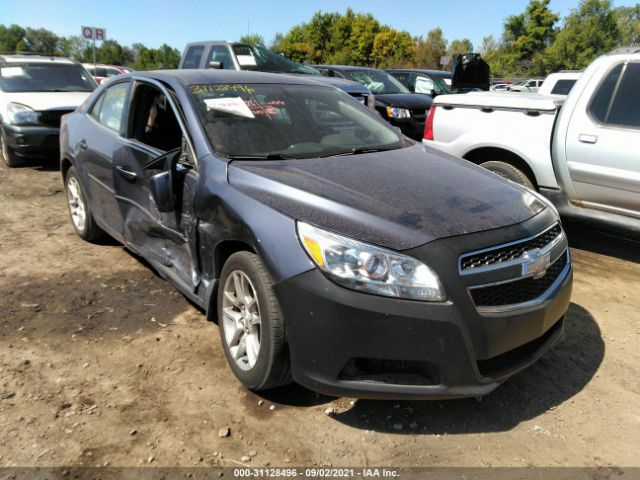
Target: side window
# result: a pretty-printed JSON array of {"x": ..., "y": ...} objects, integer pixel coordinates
[
  {"x": 193, "y": 56},
  {"x": 603, "y": 96},
  {"x": 625, "y": 108},
  {"x": 154, "y": 122},
  {"x": 220, "y": 53},
  {"x": 402, "y": 77},
  {"x": 112, "y": 105},
  {"x": 425, "y": 85},
  {"x": 95, "y": 109}
]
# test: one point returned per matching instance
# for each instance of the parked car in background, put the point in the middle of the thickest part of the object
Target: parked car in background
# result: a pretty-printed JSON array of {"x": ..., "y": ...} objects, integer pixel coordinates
[
  {"x": 531, "y": 86},
  {"x": 35, "y": 92},
  {"x": 582, "y": 152},
  {"x": 394, "y": 101},
  {"x": 559, "y": 84},
  {"x": 500, "y": 86},
  {"x": 429, "y": 82},
  {"x": 102, "y": 73},
  {"x": 328, "y": 247},
  {"x": 226, "y": 55}
]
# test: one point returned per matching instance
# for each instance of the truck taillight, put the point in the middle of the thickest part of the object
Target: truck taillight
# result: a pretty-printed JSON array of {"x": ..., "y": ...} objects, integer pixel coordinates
[{"x": 428, "y": 127}]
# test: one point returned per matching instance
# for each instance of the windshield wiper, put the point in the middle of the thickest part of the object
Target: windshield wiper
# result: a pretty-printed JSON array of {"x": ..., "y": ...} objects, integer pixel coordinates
[
  {"x": 360, "y": 150},
  {"x": 269, "y": 156}
]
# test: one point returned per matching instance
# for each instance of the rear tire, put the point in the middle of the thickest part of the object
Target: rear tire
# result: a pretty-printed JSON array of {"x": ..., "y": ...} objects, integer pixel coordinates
[
  {"x": 252, "y": 327},
  {"x": 81, "y": 218},
  {"x": 11, "y": 160},
  {"x": 508, "y": 171}
]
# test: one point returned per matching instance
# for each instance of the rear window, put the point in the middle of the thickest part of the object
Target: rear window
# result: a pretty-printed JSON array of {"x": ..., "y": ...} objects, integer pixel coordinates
[
  {"x": 45, "y": 77},
  {"x": 193, "y": 56},
  {"x": 563, "y": 87}
]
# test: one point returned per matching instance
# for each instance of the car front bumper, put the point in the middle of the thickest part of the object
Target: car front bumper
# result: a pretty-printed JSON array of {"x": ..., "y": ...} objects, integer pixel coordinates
[
  {"x": 32, "y": 141},
  {"x": 347, "y": 343}
]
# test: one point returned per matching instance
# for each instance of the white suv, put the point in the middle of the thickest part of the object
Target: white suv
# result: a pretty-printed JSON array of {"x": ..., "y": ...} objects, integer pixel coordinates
[{"x": 35, "y": 92}]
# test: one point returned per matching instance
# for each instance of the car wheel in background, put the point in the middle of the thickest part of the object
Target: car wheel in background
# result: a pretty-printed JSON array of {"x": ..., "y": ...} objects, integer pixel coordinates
[
  {"x": 251, "y": 325},
  {"x": 508, "y": 171},
  {"x": 10, "y": 159},
  {"x": 81, "y": 218}
]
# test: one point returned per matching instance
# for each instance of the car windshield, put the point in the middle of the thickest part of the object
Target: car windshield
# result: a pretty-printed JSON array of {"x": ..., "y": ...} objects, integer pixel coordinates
[
  {"x": 275, "y": 121},
  {"x": 377, "y": 81},
  {"x": 45, "y": 77},
  {"x": 256, "y": 57}
]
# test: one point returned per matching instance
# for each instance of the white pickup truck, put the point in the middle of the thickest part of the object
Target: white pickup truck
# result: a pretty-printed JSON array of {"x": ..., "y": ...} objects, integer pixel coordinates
[{"x": 582, "y": 153}]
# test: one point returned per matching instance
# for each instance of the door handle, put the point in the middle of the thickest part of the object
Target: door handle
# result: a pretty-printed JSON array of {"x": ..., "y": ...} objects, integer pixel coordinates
[
  {"x": 128, "y": 175},
  {"x": 588, "y": 138},
  {"x": 83, "y": 144}
]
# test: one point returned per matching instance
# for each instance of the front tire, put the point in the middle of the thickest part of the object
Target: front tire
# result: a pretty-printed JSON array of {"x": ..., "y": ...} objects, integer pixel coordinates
[
  {"x": 81, "y": 218},
  {"x": 252, "y": 327},
  {"x": 11, "y": 160},
  {"x": 508, "y": 171}
]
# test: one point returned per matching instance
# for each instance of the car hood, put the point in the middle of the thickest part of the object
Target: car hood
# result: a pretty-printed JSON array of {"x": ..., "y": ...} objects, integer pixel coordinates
[
  {"x": 411, "y": 101},
  {"x": 48, "y": 100},
  {"x": 399, "y": 199}
]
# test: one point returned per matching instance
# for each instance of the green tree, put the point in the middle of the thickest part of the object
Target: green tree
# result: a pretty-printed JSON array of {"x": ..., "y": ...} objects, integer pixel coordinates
[
  {"x": 460, "y": 46},
  {"x": 391, "y": 48},
  {"x": 42, "y": 41},
  {"x": 167, "y": 57},
  {"x": 628, "y": 19},
  {"x": 11, "y": 38},
  {"x": 589, "y": 31},
  {"x": 428, "y": 52},
  {"x": 252, "y": 39},
  {"x": 76, "y": 47}
]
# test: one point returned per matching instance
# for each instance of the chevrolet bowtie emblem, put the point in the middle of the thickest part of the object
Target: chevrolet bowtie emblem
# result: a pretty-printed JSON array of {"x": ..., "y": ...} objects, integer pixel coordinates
[{"x": 536, "y": 263}]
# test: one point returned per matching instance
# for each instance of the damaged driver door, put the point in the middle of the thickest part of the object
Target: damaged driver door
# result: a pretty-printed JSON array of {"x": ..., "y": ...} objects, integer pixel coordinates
[{"x": 155, "y": 181}]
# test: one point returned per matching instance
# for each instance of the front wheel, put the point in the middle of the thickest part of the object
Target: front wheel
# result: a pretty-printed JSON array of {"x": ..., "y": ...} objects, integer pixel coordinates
[
  {"x": 251, "y": 325},
  {"x": 11, "y": 160},
  {"x": 508, "y": 171}
]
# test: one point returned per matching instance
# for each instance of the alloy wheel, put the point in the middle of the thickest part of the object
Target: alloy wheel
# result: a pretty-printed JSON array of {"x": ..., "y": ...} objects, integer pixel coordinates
[
  {"x": 241, "y": 319},
  {"x": 77, "y": 208}
]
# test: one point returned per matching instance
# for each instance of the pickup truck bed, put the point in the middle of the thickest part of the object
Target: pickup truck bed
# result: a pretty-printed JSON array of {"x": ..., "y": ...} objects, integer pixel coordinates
[{"x": 476, "y": 125}]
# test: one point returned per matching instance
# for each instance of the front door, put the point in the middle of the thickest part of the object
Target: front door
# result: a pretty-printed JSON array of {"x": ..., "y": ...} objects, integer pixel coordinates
[
  {"x": 155, "y": 144},
  {"x": 603, "y": 144}
]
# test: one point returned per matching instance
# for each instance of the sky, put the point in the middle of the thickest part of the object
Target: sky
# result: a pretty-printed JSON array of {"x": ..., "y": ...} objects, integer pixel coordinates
[{"x": 177, "y": 22}]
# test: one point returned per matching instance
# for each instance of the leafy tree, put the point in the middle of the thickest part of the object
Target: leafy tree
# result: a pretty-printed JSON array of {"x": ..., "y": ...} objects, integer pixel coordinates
[
  {"x": 391, "y": 48},
  {"x": 488, "y": 47},
  {"x": 41, "y": 41},
  {"x": 76, "y": 47},
  {"x": 252, "y": 39},
  {"x": 11, "y": 37},
  {"x": 428, "y": 52},
  {"x": 460, "y": 46},
  {"x": 628, "y": 19},
  {"x": 589, "y": 31}
]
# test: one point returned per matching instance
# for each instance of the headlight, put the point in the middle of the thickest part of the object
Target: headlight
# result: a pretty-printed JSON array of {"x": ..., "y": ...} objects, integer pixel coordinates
[
  {"x": 21, "y": 114},
  {"x": 372, "y": 269},
  {"x": 393, "y": 112}
]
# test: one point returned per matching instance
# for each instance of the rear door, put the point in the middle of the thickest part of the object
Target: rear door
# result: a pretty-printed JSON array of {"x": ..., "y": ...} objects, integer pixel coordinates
[
  {"x": 96, "y": 149},
  {"x": 603, "y": 143},
  {"x": 156, "y": 142}
]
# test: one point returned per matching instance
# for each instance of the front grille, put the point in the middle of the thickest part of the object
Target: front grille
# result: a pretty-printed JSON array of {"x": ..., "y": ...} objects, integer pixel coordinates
[
  {"x": 52, "y": 117},
  {"x": 518, "y": 291},
  {"x": 510, "y": 252}
]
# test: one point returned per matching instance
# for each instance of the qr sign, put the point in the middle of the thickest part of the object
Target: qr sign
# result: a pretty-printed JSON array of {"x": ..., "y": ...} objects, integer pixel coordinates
[{"x": 94, "y": 33}]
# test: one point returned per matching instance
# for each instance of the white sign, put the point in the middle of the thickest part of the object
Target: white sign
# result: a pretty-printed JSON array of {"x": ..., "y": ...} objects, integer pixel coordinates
[
  {"x": 445, "y": 60},
  {"x": 232, "y": 105},
  {"x": 94, "y": 33},
  {"x": 246, "y": 60}
]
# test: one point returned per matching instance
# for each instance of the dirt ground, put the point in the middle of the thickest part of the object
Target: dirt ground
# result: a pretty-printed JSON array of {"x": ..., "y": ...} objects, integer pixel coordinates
[{"x": 104, "y": 363}]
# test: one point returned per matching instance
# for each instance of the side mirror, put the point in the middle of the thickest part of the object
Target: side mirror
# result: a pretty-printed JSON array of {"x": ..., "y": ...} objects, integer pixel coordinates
[
  {"x": 215, "y": 65},
  {"x": 161, "y": 186}
]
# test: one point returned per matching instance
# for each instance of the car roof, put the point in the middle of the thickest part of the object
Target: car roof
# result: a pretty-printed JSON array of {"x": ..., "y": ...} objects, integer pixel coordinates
[
  {"x": 36, "y": 59},
  {"x": 345, "y": 67},
  {"x": 204, "y": 76}
]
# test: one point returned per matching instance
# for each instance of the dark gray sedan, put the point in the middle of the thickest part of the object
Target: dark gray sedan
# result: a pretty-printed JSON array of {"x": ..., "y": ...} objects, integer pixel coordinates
[{"x": 329, "y": 248}]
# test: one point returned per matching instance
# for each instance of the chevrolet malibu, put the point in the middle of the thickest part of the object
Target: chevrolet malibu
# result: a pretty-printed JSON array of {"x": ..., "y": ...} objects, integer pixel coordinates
[{"x": 330, "y": 249}]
